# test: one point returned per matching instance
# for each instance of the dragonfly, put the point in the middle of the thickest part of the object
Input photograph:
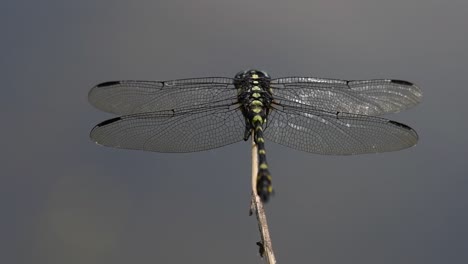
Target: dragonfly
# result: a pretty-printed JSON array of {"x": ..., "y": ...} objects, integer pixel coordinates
[{"x": 316, "y": 115}]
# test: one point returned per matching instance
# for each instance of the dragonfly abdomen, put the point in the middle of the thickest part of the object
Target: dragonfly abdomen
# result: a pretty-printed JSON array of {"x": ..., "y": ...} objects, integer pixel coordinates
[
  {"x": 264, "y": 186},
  {"x": 257, "y": 114}
]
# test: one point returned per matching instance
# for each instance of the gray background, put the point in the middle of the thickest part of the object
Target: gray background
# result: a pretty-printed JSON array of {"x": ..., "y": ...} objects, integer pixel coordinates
[{"x": 64, "y": 199}]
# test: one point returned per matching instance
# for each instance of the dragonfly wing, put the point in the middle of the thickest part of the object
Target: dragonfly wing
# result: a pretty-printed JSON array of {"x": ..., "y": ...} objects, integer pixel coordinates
[
  {"x": 131, "y": 97},
  {"x": 370, "y": 97},
  {"x": 169, "y": 131},
  {"x": 321, "y": 132}
]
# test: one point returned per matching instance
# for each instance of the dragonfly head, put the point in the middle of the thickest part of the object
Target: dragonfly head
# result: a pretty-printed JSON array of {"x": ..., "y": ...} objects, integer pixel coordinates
[{"x": 251, "y": 74}]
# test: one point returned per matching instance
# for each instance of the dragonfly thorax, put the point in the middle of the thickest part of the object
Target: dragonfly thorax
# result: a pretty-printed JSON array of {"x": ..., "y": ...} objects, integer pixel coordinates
[
  {"x": 254, "y": 96},
  {"x": 253, "y": 85}
]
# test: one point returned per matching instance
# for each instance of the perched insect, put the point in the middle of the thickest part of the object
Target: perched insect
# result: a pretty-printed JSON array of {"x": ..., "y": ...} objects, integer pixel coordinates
[{"x": 323, "y": 116}]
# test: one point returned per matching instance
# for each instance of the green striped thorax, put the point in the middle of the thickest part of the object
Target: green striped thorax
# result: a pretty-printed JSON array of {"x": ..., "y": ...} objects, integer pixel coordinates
[{"x": 255, "y": 97}]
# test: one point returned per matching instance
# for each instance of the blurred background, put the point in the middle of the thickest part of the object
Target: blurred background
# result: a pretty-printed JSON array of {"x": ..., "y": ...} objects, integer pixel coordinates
[{"x": 64, "y": 199}]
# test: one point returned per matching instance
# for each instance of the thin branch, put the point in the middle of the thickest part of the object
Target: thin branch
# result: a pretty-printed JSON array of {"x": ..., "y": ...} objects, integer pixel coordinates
[{"x": 266, "y": 249}]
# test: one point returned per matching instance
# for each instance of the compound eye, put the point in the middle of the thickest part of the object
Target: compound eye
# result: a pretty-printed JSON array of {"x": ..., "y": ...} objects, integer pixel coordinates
[
  {"x": 265, "y": 74},
  {"x": 240, "y": 75}
]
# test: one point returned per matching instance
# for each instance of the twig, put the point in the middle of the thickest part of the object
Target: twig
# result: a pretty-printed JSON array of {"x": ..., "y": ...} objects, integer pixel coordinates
[{"x": 266, "y": 249}]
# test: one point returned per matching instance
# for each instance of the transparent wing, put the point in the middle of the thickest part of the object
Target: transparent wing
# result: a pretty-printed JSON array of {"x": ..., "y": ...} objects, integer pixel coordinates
[
  {"x": 371, "y": 97},
  {"x": 169, "y": 131},
  {"x": 131, "y": 97},
  {"x": 321, "y": 132}
]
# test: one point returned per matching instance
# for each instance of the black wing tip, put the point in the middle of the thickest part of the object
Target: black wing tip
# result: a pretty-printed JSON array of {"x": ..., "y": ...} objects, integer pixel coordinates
[
  {"x": 109, "y": 121},
  {"x": 402, "y": 82},
  {"x": 411, "y": 130},
  {"x": 401, "y": 125},
  {"x": 110, "y": 83}
]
